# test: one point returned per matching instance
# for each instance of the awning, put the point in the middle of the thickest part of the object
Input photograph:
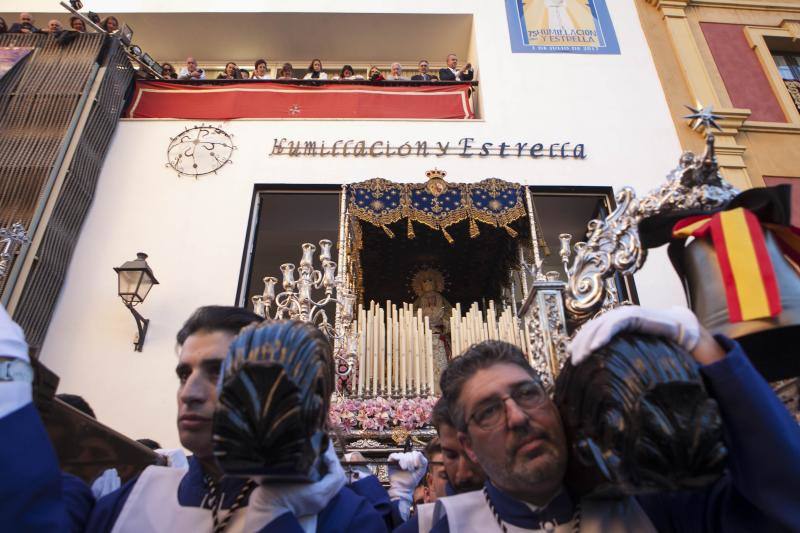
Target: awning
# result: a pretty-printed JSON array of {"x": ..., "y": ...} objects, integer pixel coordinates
[{"x": 290, "y": 100}]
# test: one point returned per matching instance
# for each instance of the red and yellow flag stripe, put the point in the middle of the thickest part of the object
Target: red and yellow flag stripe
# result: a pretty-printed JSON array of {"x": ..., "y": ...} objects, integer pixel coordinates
[{"x": 749, "y": 278}]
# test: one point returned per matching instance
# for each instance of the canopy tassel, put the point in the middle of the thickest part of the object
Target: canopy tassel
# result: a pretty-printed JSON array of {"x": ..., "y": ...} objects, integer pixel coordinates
[
  {"x": 388, "y": 231},
  {"x": 510, "y": 231},
  {"x": 473, "y": 228},
  {"x": 410, "y": 230}
]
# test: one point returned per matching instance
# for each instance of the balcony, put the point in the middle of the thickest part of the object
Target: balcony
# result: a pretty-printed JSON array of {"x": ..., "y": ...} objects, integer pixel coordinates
[{"x": 302, "y": 99}]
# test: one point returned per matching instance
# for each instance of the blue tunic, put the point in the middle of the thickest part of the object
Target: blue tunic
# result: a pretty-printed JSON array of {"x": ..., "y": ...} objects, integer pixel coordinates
[
  {"x": 345, "y": 511},
  {"x": 760, "y": 490}
]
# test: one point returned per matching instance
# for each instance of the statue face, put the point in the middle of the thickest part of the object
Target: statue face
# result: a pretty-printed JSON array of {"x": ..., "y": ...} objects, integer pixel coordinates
[{"x": 429, "y": 285}]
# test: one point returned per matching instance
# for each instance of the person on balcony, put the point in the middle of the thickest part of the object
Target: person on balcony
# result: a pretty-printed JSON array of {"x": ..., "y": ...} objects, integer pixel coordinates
[
  {"x": 375, "y": 74},
  {"x": 3, "y": 27},
  {"x": 422, "y": 73},
  {"x": 261, "y": 72},
  {"x": 110, "y": 24},
  {"x": 452, "y": 73},
  {"x": 25, "y": 24},
  {"x": 396, "y": 73},
  {"x": 347, "y": 73},
  {"x": 77, "y": 24},
  {"x": 191, "y": 71},
  {"x": 54, "y": 26},
  {"x": 286, "y": 72},
  {"x": 231, "y": 72},
  {"x": 315, "y": 71},
  {"x": 168, "y": 71}
]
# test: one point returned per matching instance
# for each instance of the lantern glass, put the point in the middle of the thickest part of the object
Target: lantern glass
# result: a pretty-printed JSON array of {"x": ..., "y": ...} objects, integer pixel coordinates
[{"x": 135, "y": 280}]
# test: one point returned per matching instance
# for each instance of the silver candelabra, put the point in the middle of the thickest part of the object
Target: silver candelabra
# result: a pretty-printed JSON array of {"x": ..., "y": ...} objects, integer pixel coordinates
[{"x": 296, "y": 301}]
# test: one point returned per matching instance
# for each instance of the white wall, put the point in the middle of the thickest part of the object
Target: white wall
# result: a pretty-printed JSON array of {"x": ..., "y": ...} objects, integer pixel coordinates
[{"x": 194, "y": 230}]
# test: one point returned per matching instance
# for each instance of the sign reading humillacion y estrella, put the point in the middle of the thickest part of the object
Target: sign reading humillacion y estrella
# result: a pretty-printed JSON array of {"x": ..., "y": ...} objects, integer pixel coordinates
[{"x": 464, "y": 147}]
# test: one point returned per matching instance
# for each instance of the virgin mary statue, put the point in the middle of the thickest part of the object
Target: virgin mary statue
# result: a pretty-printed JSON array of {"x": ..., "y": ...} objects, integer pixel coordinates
[{"x": 428, "y": 285}]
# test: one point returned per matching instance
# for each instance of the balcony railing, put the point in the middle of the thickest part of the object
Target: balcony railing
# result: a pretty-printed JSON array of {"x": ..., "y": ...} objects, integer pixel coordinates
[
  {"x": 794, "y": 89},
  {"x": 299, "y": 99}
]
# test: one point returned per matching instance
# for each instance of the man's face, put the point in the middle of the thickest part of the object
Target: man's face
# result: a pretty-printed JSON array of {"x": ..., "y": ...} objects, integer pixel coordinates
[
  {"x": 396, "y": 70},
  {"x": 452, "y": 61},
  {"x": 524, "y": 455},
  {"x": 26, "y": 18},
  {"x": 54, "y": 25},
  {"x": 199, "y": 361},
  {"x": 423, "y": 67},
  {"x": 437, "y": 477},
  {"x": 191, "y": 64},
  {"x": 462, "y": 472}
]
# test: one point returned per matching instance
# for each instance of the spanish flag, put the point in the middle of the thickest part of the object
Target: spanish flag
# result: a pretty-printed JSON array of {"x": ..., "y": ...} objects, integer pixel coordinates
[{"x": 749, "y": 278}]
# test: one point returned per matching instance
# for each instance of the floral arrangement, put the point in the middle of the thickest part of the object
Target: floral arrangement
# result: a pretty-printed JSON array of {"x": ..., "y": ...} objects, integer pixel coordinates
[{"x": 380, "y": 414}]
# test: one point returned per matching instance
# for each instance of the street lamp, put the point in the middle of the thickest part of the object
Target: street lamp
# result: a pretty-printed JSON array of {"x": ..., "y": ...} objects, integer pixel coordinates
[{"x": 135, "y": 281}]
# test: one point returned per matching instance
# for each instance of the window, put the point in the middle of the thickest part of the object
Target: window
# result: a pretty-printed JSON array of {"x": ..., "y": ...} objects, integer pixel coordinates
[
  {"x": 284, "y": 218},
  {"x": 788, "y": 65}
]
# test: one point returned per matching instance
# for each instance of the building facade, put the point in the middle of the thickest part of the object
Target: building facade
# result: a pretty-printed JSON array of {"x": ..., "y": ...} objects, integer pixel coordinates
[{"x": 601, "y": 121}]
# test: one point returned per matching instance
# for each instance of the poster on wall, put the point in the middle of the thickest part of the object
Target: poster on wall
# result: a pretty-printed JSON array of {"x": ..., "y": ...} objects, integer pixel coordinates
[{"x": 561, "y": 26}]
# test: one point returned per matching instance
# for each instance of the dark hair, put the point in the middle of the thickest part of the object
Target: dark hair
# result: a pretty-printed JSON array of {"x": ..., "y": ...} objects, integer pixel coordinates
[
  {"x": 217, "y": 318},
  {"x": 3, "y": 27},
  {"x": 104, "y": 23},
  {"x": 346, "y": 67},
  {"x": 440, "y": 416},
  {"x": 73, "y": 400},
  {"x": 259, "y": 62},
  {"x": 172, "y": 74},
  {"x": 72, "y": 20},
  {"x": 315, "y": 74},
  {"x": 150, "y": 443},
  {"x": 475, "y": 358},
  {"x": 432, "y": 448}
]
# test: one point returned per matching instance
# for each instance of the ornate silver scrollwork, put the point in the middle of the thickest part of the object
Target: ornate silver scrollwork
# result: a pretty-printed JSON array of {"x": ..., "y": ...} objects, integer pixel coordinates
[
  {"x": 613, "y": 243},
  {"x": 10, "y": 238}
]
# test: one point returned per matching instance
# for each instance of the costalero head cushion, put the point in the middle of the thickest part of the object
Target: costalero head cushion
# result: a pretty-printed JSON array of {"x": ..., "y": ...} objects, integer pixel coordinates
[
  {"x": 273, "y": 398},
  {"x": 638, "y": 419}
]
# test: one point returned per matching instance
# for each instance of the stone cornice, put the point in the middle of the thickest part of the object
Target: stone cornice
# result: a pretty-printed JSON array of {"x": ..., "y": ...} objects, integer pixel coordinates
[{"x": 726, "y": 4}]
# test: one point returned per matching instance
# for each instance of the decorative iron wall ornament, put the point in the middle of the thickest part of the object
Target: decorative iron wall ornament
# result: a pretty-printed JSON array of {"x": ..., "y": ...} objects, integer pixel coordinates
[
  {"x": 614, "y": 243},
  {"x": 200, "y": 150}
]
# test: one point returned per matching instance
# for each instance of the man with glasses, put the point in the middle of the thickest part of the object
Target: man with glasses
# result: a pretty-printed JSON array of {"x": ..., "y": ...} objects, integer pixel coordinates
[
  {"x": 423, "y": 74},
  {"x": 509, "y": 425}
]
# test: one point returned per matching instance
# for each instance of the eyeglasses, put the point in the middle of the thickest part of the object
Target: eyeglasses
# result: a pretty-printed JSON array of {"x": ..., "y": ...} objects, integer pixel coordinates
[{"x": 493, "y": 412}]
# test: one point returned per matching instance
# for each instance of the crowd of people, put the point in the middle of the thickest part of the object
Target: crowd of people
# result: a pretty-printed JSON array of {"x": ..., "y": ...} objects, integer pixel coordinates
[
  {"x": 315, "y": 71},
  {"x": 260, "y": 71},
  {"x": 27, "y": 24},
  {"x": 499, "y": 461}
]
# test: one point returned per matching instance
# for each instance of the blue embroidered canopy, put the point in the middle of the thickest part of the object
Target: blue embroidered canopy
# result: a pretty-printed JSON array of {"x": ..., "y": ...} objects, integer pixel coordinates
[{"x": 438, "y": 204}]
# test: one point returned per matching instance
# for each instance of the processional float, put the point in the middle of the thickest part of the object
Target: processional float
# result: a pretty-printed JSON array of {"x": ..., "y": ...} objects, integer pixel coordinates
[{"x": 403, "y": 247}]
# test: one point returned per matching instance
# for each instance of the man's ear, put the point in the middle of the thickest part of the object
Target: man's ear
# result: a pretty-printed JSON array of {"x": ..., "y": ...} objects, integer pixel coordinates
[{"x": 466, "y": 443}]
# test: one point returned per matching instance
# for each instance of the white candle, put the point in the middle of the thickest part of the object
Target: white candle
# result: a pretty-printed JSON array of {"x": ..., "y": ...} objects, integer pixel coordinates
[
  {"x": 362, "y": 349},
  {"x": 402, "y": 361},
  {"x": 389, "y": 347},
  {"x": 375, "y": 350},
  {"x": 429, "y": 352}
]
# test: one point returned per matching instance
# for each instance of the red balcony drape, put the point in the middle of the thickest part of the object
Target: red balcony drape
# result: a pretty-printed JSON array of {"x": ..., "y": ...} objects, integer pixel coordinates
[{"x": 280, "y": 100}]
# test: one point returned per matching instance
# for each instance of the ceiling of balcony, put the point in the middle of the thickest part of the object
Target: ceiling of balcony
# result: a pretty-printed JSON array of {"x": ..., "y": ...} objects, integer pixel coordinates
[{"x": 333, "y": 37}]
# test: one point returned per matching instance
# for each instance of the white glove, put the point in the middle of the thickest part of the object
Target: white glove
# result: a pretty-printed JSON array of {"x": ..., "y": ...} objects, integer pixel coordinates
[
  {"x": 403, "y": 480},
  {"x": 677, "y": 324},
  {"x": 12, "y": 339},
  {"x": 13, "y": 394},
  {"x": 176, "y": 457},
  {"x": 268, "y": 502},
  {"x": 356, "y": 472},
  {"x": 107, "y": 483}
]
